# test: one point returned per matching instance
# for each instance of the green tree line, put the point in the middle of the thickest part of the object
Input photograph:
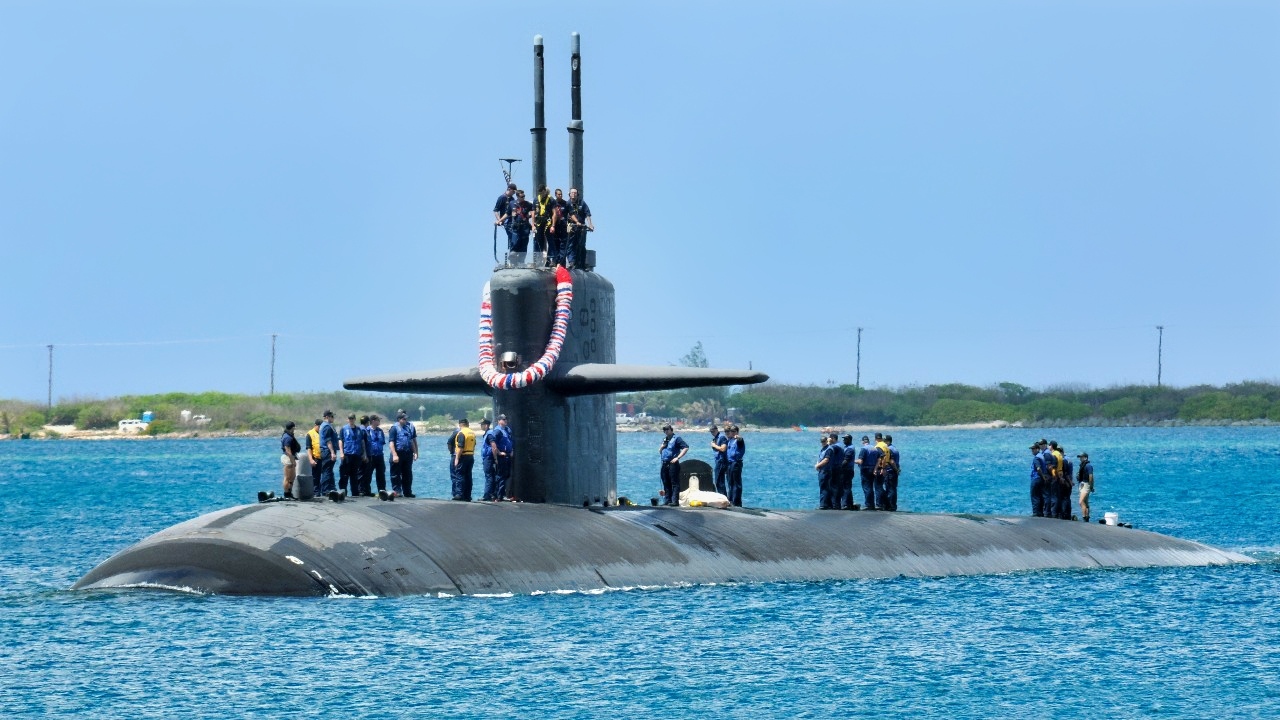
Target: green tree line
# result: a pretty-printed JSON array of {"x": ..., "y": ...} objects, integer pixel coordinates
[
  {"x": 231, "y": 412},
  {"x": 773, "y": 404}
]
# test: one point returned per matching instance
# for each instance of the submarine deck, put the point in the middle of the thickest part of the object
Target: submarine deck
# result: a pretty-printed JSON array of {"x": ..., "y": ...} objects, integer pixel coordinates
[{"x": 416, "y": 546}]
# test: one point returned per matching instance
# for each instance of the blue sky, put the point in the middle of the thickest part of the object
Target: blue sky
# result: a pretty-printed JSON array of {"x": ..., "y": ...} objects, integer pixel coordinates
[{"x": 995, "y": 191}]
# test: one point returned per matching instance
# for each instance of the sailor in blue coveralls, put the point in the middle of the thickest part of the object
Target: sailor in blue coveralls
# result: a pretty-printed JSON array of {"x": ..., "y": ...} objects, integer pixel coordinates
[
  {"x": 328, "y": 453},
  {"x": 877, "y": 481},
  {"x": 353, "y": 454},
  {"x": 673, "y": 448},
  {"x": 823, "y": 466},
  {"x": 487, "y": 444},
  {"x": 503, "y": 452},
  {"x": 377, "y": 466},
  {"x": 866, "y": 470},
  {"x": 720, "y": 448},
  {"x": 846, "y": 475},
  {"x": 737, "y": 449},
  {"x": 1039, "y": 481},
  {"x": 404, "y": 450}
]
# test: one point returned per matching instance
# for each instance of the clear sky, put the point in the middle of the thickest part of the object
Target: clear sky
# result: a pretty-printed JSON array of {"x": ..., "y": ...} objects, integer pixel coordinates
[{"x": 995, "y": 191}]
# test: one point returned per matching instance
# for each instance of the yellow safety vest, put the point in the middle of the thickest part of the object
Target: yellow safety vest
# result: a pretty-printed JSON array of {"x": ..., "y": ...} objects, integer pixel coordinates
[{"x": 314, "y": 436}]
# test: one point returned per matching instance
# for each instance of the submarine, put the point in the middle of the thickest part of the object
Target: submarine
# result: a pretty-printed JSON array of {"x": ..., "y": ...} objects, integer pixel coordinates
[{"x": 546, "y": 356}]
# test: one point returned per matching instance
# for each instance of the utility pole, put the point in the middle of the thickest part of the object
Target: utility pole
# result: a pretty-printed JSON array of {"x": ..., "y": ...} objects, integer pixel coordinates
[
  {"x": 273, "y": 365},
  {"x": 857, "y": 381},
  {"x": 48, "y": 414},
  {"x": 1160, "y": 355}
]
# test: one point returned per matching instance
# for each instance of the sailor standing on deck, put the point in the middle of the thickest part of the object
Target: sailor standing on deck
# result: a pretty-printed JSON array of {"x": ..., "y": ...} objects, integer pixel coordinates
[
  {"x": 737, "y": 449},
  {"x": 487, "y": 445},
  {"x": 1085, "y": 477},
  {"x": 464, "y": 458},
  {"x": 503, "y": 451},
  {"x": 404, "y": 450},
  {"x": 846, "y": 475},
  {"x": 377, "y": 464},
  {"x": 329, "y": 452},
  {"x": 289, "y": 448},
  {"x": 1039, "y": 481},
  {"x": 881, "y": 453},
  {"x": 353, "y": 455},
  {"x": 824, "y": 466},
  {"x": 866, "y": 472},
  {"x": 892, "y": 471},
  {"x": 672, "y": 449},
  {"x": 720, "y": 448}
]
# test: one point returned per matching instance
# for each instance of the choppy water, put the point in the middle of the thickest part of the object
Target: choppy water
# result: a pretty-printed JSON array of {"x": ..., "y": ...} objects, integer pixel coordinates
[{"x": 1120, "y": 643}]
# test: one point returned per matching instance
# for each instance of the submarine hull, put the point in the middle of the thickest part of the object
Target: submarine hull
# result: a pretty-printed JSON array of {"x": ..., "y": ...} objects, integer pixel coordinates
[{"x": 416, "y": 547}]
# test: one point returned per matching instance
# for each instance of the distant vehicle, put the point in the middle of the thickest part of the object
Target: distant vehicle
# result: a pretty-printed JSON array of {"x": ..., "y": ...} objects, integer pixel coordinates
[
  {"x": 132, "y": 425},
  {"x": 201, "y": 419}
]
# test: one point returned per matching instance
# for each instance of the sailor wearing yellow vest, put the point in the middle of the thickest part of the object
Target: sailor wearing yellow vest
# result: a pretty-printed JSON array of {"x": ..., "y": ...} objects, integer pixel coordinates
[
  {"x": 464, "y": 458},
  {"x": 313, "y": 450}
]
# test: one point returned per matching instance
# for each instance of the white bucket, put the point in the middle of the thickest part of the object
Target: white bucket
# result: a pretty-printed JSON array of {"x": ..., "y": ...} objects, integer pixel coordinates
[{"x": 1111, "y": 518}]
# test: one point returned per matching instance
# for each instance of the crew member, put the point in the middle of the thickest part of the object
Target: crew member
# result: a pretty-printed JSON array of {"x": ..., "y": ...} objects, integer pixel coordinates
[
  {"x": 673, "y": 448},
  {"x": 313, "y": 453},
  {"x": 736, "y": 450},
  {"x": 464, "y": 459},
  {"x": 1064, "y": 486},
  {"x": 353, "y": 454},
  {"x": 403, "y": 441},
  {"x": 502, "y": 211},
  {"x": 823, "y": 467},
  {"x": 846, "y": 476},
  {"x": 451, "y": 445},
  {"x": 521, "y": 216},
  {"x": 1085, "y": 477},
  {"x": 377, "y": 466},
  {"x": 837, "y": 469},
  {"x": 544, "y": 222},
  {"x": 329, "y": 453},
  {"x": 560, "y": 227},
  {"x": 289, "y": 449},
  {"x": 503, "y": 452},
  {"x": 487, "y": 445},
  {"x": 579, "y": 225},
  {"x": 365, "y": 486},
  {"x": 866, "y": 463},
  {"x": 881, "y": 484},
  {"x": 720, "y": 448},
  {"x": 892, "y": 471},
  {"x": 1039, "y": 481}
]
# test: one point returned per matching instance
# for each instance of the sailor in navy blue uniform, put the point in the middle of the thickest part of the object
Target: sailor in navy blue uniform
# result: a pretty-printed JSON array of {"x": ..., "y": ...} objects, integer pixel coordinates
[
  {"x": 1039, "y": 481},
  {"x": 824, "y": 467},
  {"x": 866, "y": 465},
  {"x": 353, "y": 455},
  {"x": 502, "y": 211},
  {"x": 503, "y": 452},
  {"x": 737, "y": 449},
  {"x": 377, "y": 467},
  {"x": 720, "y": 448},
  {"x": 404, "y": 450},
  {"x": 579, "y": 225},
  {"x": 329, "y": 453},
  {"x": 673, "y": 448},
  {"x": 487, "y": 443},
  {"x": 846, "y": 475}
]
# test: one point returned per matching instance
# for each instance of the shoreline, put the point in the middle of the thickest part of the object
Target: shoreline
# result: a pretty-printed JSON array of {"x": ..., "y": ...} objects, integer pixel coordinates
[{"x": 70, "y": 432}]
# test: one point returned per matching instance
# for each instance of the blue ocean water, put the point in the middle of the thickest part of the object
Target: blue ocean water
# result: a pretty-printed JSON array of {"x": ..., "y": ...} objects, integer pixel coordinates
[{"x": 1184, "y": 642}]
